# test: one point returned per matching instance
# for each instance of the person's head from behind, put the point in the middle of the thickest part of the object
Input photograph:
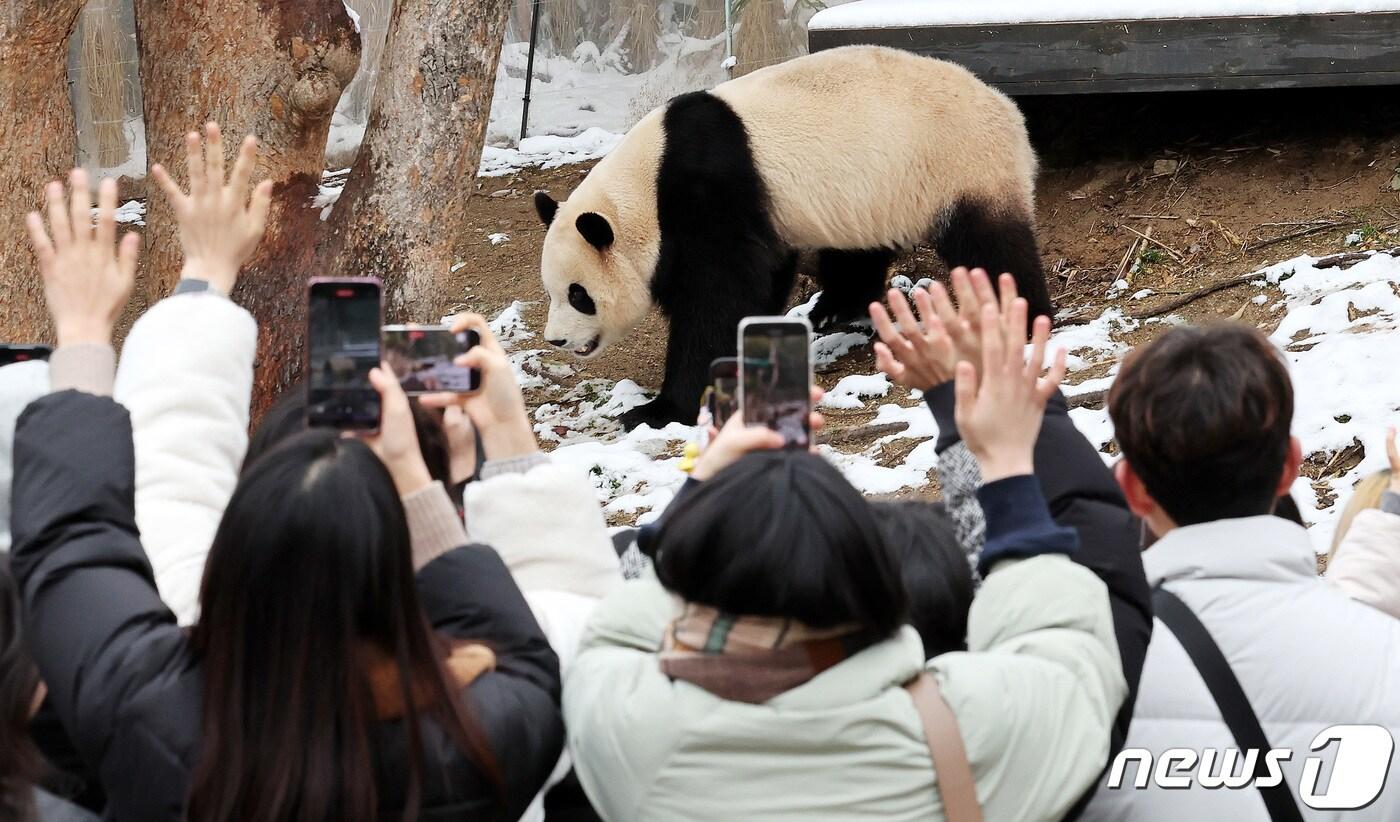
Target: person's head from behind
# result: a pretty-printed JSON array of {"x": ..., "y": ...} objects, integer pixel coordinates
[
  {"x": 935, "y": 571},
  {"x": 1203, "y": 418},
  {"x": 308, "y": 585},
  {"x": 287, "y": 418},
  {"x": 782, "y": 534},
  {"x": 20, "y": 763}
]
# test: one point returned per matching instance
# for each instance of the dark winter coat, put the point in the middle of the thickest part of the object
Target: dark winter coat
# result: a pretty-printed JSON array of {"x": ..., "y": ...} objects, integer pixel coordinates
[{"x": 122, "y": 676}]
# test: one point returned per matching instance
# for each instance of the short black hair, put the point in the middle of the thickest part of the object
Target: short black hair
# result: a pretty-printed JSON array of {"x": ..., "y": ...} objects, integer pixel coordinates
[
  {"x": 934, "y": 568},
  {"x": 782, "y": 534},
  {"x": 1203, "y": 417}
]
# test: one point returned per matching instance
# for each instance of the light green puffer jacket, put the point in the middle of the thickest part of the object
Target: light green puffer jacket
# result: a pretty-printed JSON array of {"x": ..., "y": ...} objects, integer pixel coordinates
[{"x": 1035, "y": 697}]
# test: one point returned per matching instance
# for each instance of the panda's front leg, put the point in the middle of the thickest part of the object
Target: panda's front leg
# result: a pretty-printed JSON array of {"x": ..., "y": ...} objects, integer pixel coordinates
[{"x": 694, "y": 340}]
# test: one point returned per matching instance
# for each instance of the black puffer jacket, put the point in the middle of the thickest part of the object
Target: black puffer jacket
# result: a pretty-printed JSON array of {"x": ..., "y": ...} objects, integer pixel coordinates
[{"x": 124, "y": 681}]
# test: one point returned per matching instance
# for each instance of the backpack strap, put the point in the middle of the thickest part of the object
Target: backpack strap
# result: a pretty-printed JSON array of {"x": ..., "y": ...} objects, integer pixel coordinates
[
  {"x": 956, "y": 786},
  {"x": 1225, "y": 689}
]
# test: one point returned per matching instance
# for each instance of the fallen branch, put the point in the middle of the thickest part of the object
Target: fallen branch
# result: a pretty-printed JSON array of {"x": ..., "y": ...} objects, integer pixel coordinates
[
  {"x": 1087, "y": 399},
  {"x": 1347, "y": 259},
  {"x": 1206, "y": 291},
  {"x": 1176, "y": 255},
  {"x": 846, "y": 435},
  {"x": 1293, "y": 236}
]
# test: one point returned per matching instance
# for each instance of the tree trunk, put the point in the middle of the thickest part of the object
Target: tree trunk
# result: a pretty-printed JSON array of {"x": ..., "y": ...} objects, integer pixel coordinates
[
  {"x": 275, "y": 68},
  {"x": 37, "y": 144},
  {"x": 402, "y": 216}
]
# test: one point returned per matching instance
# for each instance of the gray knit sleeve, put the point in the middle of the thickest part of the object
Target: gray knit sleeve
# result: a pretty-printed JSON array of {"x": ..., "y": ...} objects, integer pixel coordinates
[{"x": 960, "y": 477}]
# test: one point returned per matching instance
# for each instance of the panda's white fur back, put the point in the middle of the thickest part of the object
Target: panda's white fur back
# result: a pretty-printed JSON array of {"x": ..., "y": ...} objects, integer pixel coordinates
[
  {"x": 860, "y": 147},
  {"x": 863, "y": 146}
]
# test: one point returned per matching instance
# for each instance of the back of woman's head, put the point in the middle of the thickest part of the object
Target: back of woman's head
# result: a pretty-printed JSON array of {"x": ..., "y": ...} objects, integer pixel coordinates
[
  {"x": 20, "y": 762},
  {"x": 781, "y": 534},
  {"x": 309, "y": 579},
  {"x": 287, "y": 418},
  {"x": 934, "y": 568}
]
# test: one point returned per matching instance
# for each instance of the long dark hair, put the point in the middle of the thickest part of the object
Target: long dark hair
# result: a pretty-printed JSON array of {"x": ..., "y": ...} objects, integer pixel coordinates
[
  {"x": 310, "y": 568},
  {"x": 782, "y": 534},
  {"x": 20, "y": 762}
]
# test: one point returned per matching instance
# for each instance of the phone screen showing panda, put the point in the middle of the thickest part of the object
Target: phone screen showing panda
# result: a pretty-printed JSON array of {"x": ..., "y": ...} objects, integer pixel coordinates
[{"x": 776, "y": 375}]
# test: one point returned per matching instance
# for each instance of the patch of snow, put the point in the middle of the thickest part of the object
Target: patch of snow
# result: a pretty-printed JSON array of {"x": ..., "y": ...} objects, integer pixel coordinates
[
  {"x": 1146, "y": 292},
  {"x": 902, "y": 283},
  {"x": 509, "y": 325},
  {"x": 131, "y": 212},
  {"x": 832, "y": 347},
  {"x": 852, "y": 389},
  {"x": 548, "y": 152},
  {"x": 498, "y": 238}
]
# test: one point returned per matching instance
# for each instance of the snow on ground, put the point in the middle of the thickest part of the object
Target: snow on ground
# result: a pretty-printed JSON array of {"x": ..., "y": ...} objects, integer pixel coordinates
[
  {"x": 871, "y": 14},
  {"x": 583, "y": 103},
  {"x": 1340, "y": 328}
]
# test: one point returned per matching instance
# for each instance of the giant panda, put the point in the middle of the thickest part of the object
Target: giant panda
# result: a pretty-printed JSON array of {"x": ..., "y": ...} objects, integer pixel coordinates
[{"x": 854, "y": 153}]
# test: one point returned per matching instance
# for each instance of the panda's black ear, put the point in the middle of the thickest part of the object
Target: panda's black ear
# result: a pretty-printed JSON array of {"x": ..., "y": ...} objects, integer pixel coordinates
[
  {"x": 545, "y": 206},
  {"x": 595, "y": 229}
]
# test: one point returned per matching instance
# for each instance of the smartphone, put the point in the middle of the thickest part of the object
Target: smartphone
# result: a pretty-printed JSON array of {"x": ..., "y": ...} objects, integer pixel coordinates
[
  {"x": 343, "y": 318},
  {"x": 775, "y": 376},
  {"x": 724, "y": 389},
  {"x": 11, "y": 353},
  {"x": 422, "y": 355}
]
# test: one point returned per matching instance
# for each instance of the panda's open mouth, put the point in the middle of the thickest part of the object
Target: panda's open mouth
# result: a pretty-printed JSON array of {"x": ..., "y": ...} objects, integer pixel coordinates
[{"x": 589, "y": 347}]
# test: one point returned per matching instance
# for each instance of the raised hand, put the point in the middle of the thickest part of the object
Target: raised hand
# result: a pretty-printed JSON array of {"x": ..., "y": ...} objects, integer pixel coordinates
[
  {"x": 735, "y": 439},
  {"x": 1000, "y": 406},
  {"x": 396, "y": 442},
  {"x": 87, "y": 275},
  {"x": 913, "y": 356},
  {"x": 923, "y": 356},
  {"x": 220, "y": 226},
  {"x": 497, "y": 411}
]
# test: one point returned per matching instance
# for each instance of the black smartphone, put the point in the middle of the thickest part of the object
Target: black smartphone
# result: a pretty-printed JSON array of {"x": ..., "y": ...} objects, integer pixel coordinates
[
  {"x": 724, "y": 393},
  {"x": 11, "y": 353},
  {"x": 775, "y": 376},
  {"x": 343, "y": 318},
  {"x": 422, "y": 355}
]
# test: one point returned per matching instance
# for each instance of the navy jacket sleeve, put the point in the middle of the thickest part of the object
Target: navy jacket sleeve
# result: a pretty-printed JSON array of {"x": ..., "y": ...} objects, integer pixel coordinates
[
  {"x": 469, "y": 593},
  {"x": 97, "y": 627}
]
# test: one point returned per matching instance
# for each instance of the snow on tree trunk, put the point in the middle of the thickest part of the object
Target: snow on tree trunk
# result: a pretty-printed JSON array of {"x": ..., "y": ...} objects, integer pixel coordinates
[
  {"x": 402, "y": 216},
  {"x": 36, "y": 132},
  {"x": 275, "y": 68}
]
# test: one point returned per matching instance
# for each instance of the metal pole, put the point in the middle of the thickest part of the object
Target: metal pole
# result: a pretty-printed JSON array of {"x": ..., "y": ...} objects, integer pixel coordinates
[
  {"x": 728, "y": 39},
  {"x": 530, "y": 65}
]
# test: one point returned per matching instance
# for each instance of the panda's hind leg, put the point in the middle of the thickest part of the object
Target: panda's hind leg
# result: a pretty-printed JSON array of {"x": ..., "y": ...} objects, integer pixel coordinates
[
  {"x": 851, "y": 280},
  {"x": 976, "y": 235}
]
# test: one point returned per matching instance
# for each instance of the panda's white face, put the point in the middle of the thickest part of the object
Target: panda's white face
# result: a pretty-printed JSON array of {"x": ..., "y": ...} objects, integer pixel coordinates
[{"x": 596, "y": 295}]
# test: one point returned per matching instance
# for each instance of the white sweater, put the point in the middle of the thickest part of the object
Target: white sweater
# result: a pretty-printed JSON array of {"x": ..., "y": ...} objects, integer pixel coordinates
[
  {"x": 186, "y": 376},
  {"x": 546, "y": 523}
]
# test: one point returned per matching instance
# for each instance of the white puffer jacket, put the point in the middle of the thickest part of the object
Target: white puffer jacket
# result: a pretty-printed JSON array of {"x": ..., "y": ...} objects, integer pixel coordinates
[
  {"x": 544, "y": 520},
  {"x": 1307, "y": 656},
  {"x": 186, "y": 376},
  {"x": 1366, "y": 566}
]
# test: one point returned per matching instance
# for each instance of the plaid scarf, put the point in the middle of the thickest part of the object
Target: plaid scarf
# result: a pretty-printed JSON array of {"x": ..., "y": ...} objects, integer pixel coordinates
[{"x": 752, "y": 659}]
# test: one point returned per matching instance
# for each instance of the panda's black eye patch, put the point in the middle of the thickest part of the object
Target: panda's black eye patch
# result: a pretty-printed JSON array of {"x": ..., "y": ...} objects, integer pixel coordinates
[{"x": 581, "y": 302}]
